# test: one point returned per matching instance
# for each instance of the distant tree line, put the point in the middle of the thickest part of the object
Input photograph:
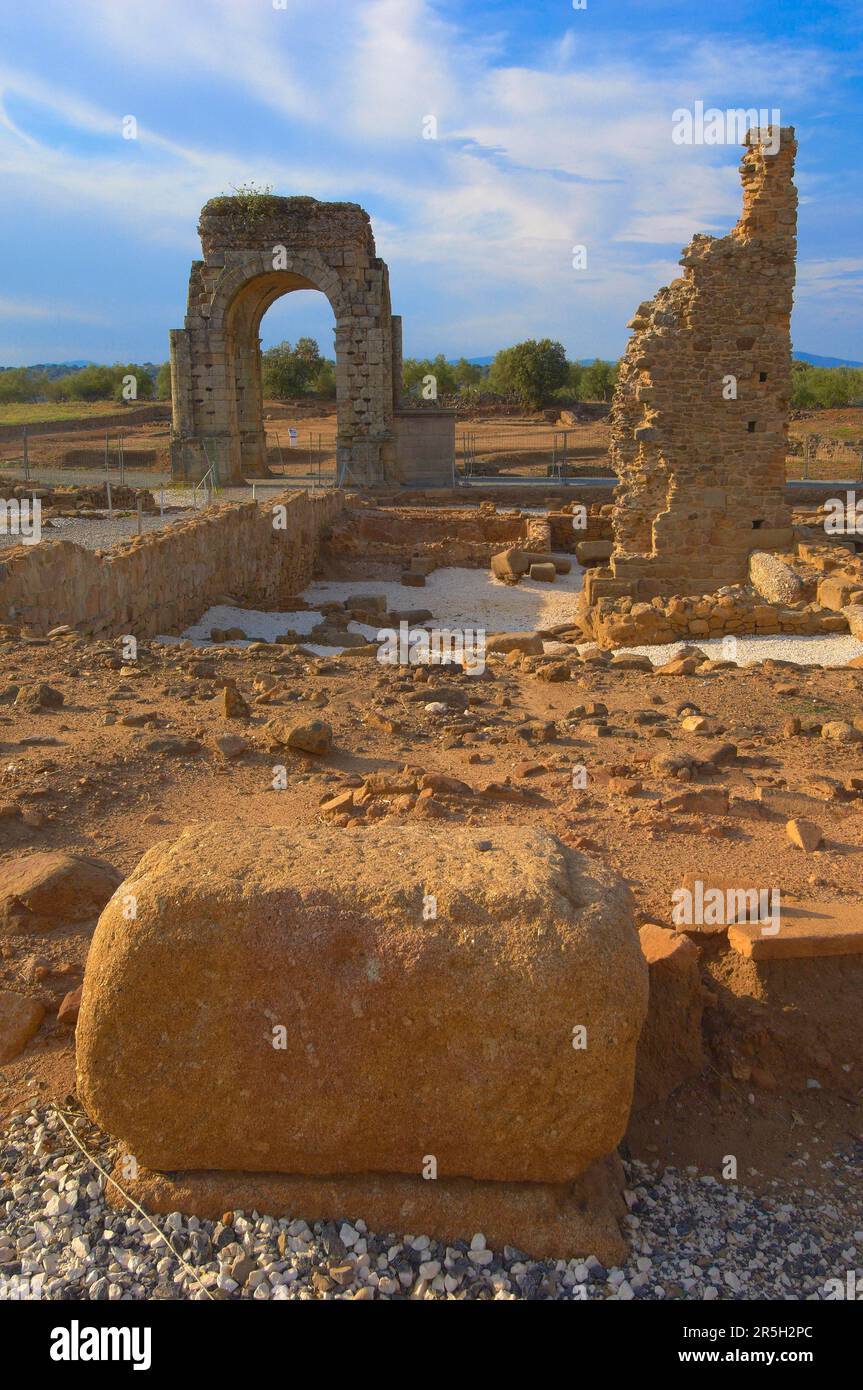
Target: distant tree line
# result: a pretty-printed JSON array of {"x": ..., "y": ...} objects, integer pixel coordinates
[
  {"x": 120, "y": 382},
  {"x": 533, "y": 374}
]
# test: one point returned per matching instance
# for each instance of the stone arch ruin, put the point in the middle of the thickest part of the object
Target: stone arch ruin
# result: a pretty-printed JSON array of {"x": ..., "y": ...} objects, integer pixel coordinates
[{"x": 256, "y": 250}]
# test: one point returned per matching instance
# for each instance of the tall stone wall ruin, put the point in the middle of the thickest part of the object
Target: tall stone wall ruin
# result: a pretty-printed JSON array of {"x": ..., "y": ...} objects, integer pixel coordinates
[{"x": 699, "y": 419}]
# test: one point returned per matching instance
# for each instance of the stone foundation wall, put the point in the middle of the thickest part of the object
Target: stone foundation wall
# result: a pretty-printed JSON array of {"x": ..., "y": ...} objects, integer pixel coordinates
[
  {"x": 468, "y": 536},
  {"x": 160, "y": 582}
]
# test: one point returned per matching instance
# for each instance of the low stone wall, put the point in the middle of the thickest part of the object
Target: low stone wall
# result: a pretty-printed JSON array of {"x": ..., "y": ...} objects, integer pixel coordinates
[
  {"x": 625, "y": 623},
  {"x": 162, "y": 581}
]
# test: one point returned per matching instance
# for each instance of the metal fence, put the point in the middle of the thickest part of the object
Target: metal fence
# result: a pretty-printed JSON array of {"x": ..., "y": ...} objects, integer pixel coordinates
[
  {"x": 140, "y": 457},
  {"x": 816, "y": 456},
  {"x": 89, "y": 455},
  {"x": 302, "y": 458},
  {"x": 513, "y": 454}
]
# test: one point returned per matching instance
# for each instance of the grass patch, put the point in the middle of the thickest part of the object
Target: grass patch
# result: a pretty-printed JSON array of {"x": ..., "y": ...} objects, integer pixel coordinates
[{"x": 31, "y": 413}]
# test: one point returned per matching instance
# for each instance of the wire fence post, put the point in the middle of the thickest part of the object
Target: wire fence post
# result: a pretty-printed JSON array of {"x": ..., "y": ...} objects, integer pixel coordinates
[{"x": 110, "y": 503}]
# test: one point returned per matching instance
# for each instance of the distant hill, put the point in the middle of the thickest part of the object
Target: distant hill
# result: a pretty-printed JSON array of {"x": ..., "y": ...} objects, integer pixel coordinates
[
  {"x": 825, "y": 361},
  {"x": 54, "y": 369},
  {"x": 487, "y": 361},
  {"x": 51, "y": 369},
  {"x": 809, "y": 357}
]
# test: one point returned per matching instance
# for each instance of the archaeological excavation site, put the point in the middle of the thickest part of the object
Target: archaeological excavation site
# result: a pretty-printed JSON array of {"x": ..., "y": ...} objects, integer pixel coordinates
[{"x": 422, "y": 883}]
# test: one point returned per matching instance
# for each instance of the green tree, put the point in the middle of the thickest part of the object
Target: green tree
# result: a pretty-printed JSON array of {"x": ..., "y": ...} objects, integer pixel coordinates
[
  {"x": 163, "y": 382},
  {"x": 597, "y": 381},
  {"x": 416, "y": 370},
  {"x": 288, "y": 371},
  {"x": 467, "y": 373},
  {"x": 143, "y": 383},
  {"x": 324, "y": 380},
  {"x": 20, "y": 384},
  {"x": 90, "y": 384},
  {"x": 530, "y": 372},
  {"x": 825, "y": 387}
]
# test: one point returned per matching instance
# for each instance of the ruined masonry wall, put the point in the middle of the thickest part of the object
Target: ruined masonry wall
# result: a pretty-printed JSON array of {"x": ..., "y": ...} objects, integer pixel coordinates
[
  {"x": 161, "y": 582},
  {"x": 702, "y": 476}
]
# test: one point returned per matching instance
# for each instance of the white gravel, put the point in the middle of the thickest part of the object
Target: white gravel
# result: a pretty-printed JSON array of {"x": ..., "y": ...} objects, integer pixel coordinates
[
  {"x": 459, "y": 598},
  {"x": 470, "y": 598},
  {"x": 93, "y": 534},
  {"x": 692, "y": 1237},
  {"x": 832, "y": 649}
]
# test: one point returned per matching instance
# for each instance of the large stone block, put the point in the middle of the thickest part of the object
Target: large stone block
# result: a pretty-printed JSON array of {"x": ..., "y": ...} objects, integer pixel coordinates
[
  {"x": 422, "y": 998},
  {"x": 774, "y": 579}
]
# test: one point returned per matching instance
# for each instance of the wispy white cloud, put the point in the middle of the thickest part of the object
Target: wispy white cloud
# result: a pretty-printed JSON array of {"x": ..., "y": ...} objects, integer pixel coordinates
[
  {"x": 573, "y": 146},
  {"x": 842, "y": 275},
  {"x": 28, "y": 310}
]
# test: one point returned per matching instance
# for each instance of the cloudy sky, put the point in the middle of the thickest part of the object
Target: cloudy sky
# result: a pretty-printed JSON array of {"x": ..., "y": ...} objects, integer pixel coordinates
[{"x": 554, "y": 129}]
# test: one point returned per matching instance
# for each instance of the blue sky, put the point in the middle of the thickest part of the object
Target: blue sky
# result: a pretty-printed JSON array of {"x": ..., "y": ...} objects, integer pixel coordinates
[{"x": 553, "y": 129}]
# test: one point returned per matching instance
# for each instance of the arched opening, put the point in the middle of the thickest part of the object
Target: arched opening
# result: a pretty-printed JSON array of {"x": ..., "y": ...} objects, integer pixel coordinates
[{"x": 243, "y": 345}]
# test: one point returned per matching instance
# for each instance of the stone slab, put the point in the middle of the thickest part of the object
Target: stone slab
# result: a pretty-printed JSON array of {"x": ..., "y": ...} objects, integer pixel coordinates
[
  {"x": 807, "y": 929},
  {"x": 545, "y": 1220}
]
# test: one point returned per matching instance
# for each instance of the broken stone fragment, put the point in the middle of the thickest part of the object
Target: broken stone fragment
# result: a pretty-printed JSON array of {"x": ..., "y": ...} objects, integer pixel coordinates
[
  {"x": 41, "y": 890},
  {"x": 840, "y": 731},
  {"x": 20, "y": 1017},
  {"x": 509, "y": 565},
  {"x": 232, "y": 746},
  {"x": 316, "y": 737},
  {"x": 699, "y": 724},
  {"x": 544, "y": 572},
  {"x": 806, "y": 834},
  {"x": 234, "y": 705},
  {"x": 773, "y": 578},
  {"x": 70, "y": 1007},
  {"x": 526, "y": 642},
  {"x": 39, "y": 697},
  {"x": 173, "y": 747}
]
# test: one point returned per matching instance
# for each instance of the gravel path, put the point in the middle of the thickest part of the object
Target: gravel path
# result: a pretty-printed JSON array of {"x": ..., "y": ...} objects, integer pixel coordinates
[
  {"x": 101, "y": 535},
  {"x": 832, "y": 649},
  {"x": 692, "y": 1239}
]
